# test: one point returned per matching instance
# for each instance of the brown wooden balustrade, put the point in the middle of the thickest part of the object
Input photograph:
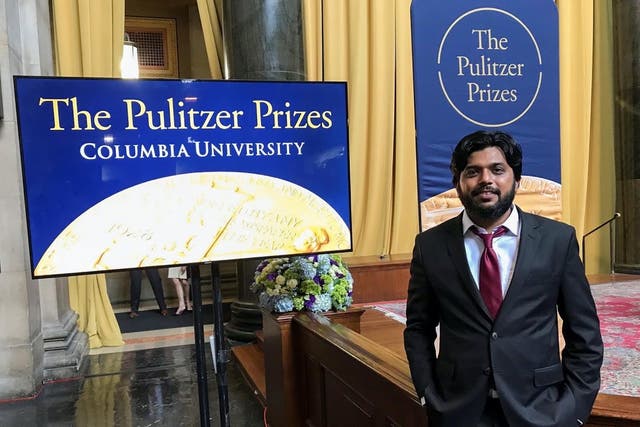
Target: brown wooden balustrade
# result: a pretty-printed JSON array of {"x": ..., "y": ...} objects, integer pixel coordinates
[
  {"x": 347, "y": 379},
  {"x": 281, "y": 364}
]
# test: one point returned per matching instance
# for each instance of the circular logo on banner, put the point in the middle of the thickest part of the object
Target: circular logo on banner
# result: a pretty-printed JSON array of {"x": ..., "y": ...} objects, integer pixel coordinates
[{"x": 489, "y": 67}]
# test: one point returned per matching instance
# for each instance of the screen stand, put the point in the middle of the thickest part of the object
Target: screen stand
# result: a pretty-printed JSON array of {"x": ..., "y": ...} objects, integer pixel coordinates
[
  {"x": 198, "y": 331},
  {"x": 221, "y": 354}
]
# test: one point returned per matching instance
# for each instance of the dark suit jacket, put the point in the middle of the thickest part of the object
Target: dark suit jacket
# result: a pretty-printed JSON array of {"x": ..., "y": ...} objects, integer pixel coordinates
[{"x": 519, "y": 350}]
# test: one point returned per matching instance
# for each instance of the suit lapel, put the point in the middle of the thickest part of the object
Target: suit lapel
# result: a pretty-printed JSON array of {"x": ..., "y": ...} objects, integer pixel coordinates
[
  {"x": 527, "y": 250},
  {"x": 458, "y": 254}
]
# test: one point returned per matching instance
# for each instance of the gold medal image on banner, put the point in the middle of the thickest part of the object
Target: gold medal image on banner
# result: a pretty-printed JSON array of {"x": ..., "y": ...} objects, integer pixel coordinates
[
  {"x": 535, "y": 195},
  {"x": 196, "y": 217}
]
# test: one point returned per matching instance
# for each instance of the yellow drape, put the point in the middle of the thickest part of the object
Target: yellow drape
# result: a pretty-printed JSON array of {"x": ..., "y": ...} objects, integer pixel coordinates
[
  {"x": 88, "y": 39},
  {"x": 210, "y": 19},
  {"x": 368, "y": 44},
  {"x": 586, "y": 118},
  {"x": 88, "y": 296}
]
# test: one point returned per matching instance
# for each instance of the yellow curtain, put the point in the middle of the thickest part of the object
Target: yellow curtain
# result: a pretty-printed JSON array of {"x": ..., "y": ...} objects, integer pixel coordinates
[
  {"x": 88, "y": 39},
  {"x": 88, "y": 36},
  {"x": 88, "y": 296},
  {"x": 211, "y": 20},
  {"x": 368, "y": 45},
  {"x": 586, "y": 117}
]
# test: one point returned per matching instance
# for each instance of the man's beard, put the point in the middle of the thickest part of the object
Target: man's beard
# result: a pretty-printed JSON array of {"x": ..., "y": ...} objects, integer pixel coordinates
[{"x": 489, "y": 212}]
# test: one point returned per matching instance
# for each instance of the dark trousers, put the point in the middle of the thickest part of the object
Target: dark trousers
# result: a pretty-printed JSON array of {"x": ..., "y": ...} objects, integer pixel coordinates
[
  {"x": 156, "y": 286},
  {"x": 493, "y": 415}
]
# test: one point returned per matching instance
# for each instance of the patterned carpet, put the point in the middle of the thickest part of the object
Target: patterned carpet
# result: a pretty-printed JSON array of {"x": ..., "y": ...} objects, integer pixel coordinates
[{"x": 619, "y": 310}]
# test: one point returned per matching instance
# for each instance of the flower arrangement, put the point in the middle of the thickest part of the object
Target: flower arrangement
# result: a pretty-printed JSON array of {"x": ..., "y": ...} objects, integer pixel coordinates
[{"x": 315, "y": 283}]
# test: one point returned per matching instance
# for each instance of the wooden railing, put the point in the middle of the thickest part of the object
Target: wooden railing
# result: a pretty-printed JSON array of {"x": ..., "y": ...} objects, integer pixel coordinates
[{"x": 347, "y": 379}]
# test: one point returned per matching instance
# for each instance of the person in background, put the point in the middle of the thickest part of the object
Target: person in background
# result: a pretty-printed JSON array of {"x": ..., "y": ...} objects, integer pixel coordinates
[
  {"x": 178, "y": 276},
  {"x": 494, "y": 279},
  {"x": 136, "y": 285}
]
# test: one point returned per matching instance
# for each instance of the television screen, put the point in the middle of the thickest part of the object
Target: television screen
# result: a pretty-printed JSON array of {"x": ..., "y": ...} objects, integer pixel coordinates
[{"x": 121, "y": 174}]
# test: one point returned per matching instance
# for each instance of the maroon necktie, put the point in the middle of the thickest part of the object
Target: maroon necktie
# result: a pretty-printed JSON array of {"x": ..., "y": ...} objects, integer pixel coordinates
[{"x": 490, "y": 284}]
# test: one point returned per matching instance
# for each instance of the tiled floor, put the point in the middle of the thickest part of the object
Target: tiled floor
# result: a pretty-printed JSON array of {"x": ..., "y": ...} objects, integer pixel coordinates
[{"x": 151, "y": 381}]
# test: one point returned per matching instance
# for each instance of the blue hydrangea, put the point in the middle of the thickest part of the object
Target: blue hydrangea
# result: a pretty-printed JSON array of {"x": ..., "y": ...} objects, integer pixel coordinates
[
  {"x": 282, "y": 303},
  {"x": 304, "y": 267},
  {"x": 324, "y": 263},
  {"x": 322, "y": 303},
  {"x": 265, "y": 301},
  {"x": 347, "y": 303}
]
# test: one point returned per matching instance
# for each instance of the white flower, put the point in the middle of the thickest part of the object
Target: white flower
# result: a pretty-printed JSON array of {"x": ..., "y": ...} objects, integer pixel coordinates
[
  {"x": 292, "y": 283},
  {"x": 280, "y": 280},
  {"x": 271, "y": 292}
]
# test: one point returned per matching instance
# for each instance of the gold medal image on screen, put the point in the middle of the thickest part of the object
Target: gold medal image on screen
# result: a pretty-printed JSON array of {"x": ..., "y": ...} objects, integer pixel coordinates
[
  {"x": 535, "y": 195},
  {"x": 196, "y": 217}
]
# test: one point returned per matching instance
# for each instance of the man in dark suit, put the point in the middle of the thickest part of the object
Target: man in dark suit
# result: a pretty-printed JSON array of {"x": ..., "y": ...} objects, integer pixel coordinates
[
  {"x": 136, "y": 287},
  {"x": 499, "y": 361}
]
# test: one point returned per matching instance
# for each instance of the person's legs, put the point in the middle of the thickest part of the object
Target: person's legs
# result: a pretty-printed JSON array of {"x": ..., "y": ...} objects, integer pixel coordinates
[
  {"x": 180, "y": 294},
  {"x": 156, "y": 286},
  {"x": 134, "y": 289},
  {"x": 187, "y": 294}
]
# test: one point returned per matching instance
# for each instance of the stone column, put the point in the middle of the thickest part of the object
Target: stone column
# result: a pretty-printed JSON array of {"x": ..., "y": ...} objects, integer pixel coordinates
[
  {"x": 263, "y": 40},
  {"x": 21, "y": 344},
  {"x": 65, "y": 346},
  {"x": 25, "y": 49}
]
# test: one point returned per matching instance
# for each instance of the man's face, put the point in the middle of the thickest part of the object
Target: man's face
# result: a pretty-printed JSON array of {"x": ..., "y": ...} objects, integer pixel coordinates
[{"x": 487, "y": 186}]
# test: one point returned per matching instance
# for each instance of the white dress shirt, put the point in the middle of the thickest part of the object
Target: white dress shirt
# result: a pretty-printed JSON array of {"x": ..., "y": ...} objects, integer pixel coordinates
[{"x": 505, "y": 247}]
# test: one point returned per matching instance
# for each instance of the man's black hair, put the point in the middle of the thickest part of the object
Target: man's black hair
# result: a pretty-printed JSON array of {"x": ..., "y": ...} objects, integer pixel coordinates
[{"x": 480, "y": 140}]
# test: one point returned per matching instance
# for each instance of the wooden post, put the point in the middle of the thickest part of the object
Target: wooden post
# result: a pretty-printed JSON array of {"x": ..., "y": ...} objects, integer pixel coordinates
[{"x": 283, "y": 400}]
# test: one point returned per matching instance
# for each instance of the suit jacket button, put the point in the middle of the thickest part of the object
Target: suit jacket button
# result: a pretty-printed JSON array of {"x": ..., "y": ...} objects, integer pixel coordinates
[
  {"x": 494, "y": 335},
  {"x": 486, "y": 371}
]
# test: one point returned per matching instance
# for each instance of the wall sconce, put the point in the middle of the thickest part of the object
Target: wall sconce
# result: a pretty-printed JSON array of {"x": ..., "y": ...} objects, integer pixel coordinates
[{"x": 129, "y": 63}]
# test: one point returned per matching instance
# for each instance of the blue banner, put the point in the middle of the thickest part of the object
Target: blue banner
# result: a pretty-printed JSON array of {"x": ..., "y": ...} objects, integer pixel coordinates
[
  {"x": 493, "y": 65},
  {"x": 132, "y": 173}
]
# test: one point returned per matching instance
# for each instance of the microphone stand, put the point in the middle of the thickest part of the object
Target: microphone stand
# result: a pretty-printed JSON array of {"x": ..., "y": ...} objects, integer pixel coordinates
[{"x": 611, "y": 240}]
